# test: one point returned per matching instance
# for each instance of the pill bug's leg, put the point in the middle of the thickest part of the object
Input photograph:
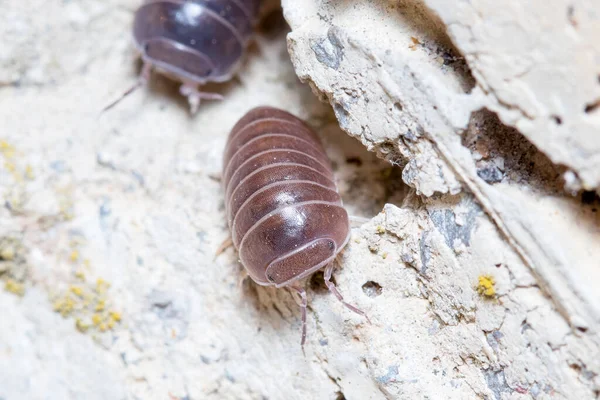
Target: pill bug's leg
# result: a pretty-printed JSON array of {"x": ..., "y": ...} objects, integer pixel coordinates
[
  {"x": 194, "y": 96},
  {"x": 227, "y": 243},
  {"x": 141, "y": 81},
  {"x": 243, "y": 278},
  {"x": 333, "y": 289},
  {"x": 303, "y": 305}
]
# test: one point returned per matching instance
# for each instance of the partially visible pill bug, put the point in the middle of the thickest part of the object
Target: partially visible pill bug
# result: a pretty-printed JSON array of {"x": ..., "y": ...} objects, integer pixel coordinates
[
  {"x": 285, "y": 215},
  {"x": 192, "y": 41}
]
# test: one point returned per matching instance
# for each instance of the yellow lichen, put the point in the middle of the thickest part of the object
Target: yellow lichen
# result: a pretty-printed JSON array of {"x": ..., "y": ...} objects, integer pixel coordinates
[
  {"x": 87, "y": 303},
  {"x": 29, "y": 172},
  {"x": 81, "y": 326},
  {"x": 96, "y": 319},
  {"x": 64, "y": 306},
  {"x": 115, "y": 316},
  {"x": 11, "y": 167},
  {"x": 14, "y": 287},
  {"x": 7, "y": 150},
  {"x": 100, "y": 305},
  {"x": 101, "y": 286},
  {"x": 486, "y": 286},
  {"x": 7, "y": 253},
  {"x": 74, "y": 256},
  {"x": 76, "y": 290},
  {"x": 380, "y": 229}
]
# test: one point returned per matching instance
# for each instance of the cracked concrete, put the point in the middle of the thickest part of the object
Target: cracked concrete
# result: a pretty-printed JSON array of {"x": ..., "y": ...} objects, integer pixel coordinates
[
  {"x": 477, "y": 286},
  {"x": 421, "y": 75}
]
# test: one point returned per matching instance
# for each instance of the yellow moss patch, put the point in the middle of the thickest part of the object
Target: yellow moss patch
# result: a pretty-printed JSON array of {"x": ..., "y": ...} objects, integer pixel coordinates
[
  {"x": 380, "y": 229},
  {"x": 7, "y": 253},
  {"x": 100, "y": 305},
  {"x": 10, "y": 167},
  {"x": 7, "y": 150},
  {"x": 86, "y": 302},
  {"x": 81, "y": 326},
  {"x": 76, "y": 290},
  {"x": 88, "y": 305},
  {"x": 115, "y": 316},
  {"x": 29, "y": 172},
  {"x": 486, "y": 286},
  {"x": 64, "y": 305},
  {"x": 14, "y": 287},
  {"x": 74, "y": 256},
  {"x": 101, "y": 286},
  {"x": 96, "y": 319}
]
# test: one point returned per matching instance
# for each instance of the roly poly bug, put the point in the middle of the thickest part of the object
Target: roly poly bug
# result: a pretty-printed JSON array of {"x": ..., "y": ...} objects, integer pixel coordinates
[
  {"x": 284, "y": 212},
  {"x": 193, "y": 41}
]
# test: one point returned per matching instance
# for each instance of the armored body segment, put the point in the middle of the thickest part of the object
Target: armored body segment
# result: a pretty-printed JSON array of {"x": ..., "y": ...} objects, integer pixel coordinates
[{"x": 286, "y": 217}]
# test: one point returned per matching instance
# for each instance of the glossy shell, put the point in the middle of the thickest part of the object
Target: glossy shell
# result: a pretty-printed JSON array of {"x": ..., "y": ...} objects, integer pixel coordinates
[
  {"x": 283, "y": 209},
  {"x": 195, "y": 40}
]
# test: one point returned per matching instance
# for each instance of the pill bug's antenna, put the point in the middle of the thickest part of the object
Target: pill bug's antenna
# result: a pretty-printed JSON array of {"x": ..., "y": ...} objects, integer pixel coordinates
[
  {"x": 302, "y": 292},
  {"x": 141, "y": 81}
]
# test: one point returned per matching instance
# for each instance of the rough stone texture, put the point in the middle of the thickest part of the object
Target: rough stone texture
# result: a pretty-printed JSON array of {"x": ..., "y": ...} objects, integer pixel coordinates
[
  {"x": 479, "y": 275},
  {"x": 429, "y": 85}
]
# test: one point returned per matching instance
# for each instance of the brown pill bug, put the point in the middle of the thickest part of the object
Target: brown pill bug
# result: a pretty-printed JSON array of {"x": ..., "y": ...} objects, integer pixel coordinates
[
  {"x": 192, "y": 41},
  {"x": 285, "y": 215}
]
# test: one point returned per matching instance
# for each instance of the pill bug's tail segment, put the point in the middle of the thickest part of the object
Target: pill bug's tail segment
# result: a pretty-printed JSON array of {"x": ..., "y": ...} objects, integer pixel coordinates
[
  {"x": 142, "y": 81},
  {"x": 194, "y": 96},
  {"x": 333, "y": 289},
  {"x": 303, "y": 305}
]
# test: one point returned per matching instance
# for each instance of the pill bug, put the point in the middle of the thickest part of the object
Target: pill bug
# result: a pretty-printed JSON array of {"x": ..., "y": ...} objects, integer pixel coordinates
[
  {"x": 192, "y": 41},
  {"x": 285, "y": 215}
]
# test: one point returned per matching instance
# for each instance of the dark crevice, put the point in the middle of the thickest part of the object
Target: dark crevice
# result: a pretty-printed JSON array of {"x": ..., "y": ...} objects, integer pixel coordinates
[
  {"x": 430, "y": 36},
  {"x": 340, "y": 396},
  {"x": 591, "y": 107},
  {"x": 503, "y": 154},
  {"x": 365, "y": 181}
]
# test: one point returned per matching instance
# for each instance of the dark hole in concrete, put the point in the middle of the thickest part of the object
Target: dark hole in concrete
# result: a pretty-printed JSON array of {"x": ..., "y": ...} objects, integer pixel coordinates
[
  {"x": 317, "y": 282},
  {"x": 588, "y": 197},
  {"x": 557, "y": 119},
  {"x": 340, "y": 396},
  {"x": 354, "y": 160},
  {"x": 591, "y": 107},
  {"x": 372, "y": 289}
]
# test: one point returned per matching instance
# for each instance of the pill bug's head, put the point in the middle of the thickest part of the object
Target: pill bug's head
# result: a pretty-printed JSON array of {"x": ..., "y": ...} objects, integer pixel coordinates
[{"x": 302, "y": 262}]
